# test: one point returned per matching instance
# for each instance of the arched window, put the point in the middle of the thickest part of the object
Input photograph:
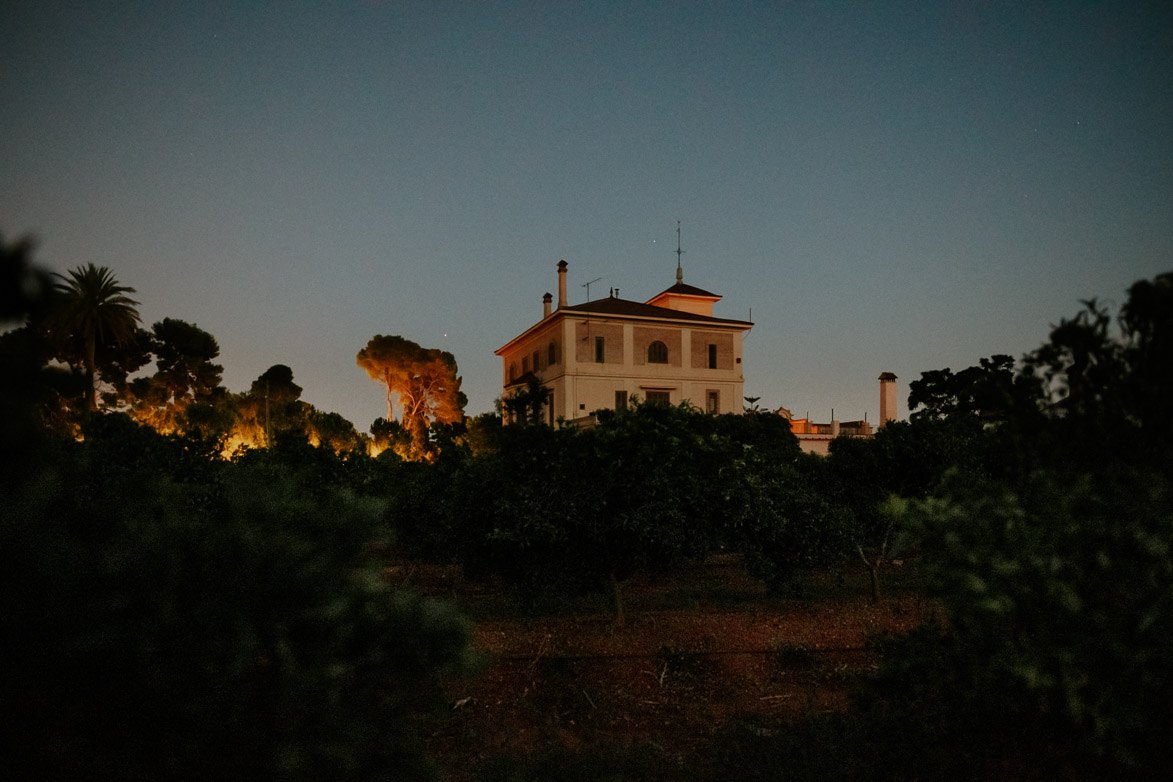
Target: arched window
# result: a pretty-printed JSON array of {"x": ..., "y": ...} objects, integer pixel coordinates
[{"x": 657, "y": 353}]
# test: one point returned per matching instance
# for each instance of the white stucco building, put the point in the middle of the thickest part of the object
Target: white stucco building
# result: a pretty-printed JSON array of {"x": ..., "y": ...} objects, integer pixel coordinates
[{"x": 606, "y": 352}]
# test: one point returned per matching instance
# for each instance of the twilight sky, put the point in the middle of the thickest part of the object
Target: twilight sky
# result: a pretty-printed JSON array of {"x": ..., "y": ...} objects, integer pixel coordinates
[{"x": 894, "y": 187}]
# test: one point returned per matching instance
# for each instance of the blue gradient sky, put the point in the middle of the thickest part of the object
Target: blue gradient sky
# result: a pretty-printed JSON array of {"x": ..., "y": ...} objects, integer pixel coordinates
[{"x": 890, "y": 187}]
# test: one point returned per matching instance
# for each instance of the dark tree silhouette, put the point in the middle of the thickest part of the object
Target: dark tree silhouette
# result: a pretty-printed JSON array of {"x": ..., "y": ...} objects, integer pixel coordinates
[{"x": 91, "y": 309}]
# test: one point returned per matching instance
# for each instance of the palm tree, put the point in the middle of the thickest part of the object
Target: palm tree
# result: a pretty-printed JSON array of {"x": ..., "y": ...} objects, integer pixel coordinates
[{"x": 91, "y": 309}]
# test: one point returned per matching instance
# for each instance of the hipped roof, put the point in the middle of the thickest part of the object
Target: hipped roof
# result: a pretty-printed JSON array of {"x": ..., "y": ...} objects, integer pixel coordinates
[{"x": 612, "y": 306}]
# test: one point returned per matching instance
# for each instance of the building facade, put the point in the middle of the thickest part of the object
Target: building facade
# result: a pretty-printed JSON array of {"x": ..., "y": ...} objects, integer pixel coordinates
[
  {"x": 816, "y": 438},
  {"x": 606, "y": 353}
]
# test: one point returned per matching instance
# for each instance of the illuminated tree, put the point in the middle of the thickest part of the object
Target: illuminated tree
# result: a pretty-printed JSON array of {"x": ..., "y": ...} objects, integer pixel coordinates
[
  {"x": 271, "y": 406},
  {"x": 423, "y": 379},
  {"x": 331, "y": 430},
  {"x": 184, "y": 374},
  {"x": 92, "y": 310}
]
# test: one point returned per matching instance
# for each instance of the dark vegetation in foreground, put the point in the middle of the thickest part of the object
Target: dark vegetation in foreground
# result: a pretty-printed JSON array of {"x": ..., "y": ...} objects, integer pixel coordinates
[{"x": 169, "y": 614}]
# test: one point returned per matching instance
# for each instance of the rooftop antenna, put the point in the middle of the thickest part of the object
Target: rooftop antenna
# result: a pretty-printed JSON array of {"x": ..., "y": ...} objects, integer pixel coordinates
[
  {"x": 679, "y": 252},
  {"x": 588, "y": 285}
]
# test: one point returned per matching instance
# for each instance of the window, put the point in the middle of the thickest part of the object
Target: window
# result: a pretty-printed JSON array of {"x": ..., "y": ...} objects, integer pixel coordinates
[
  {"x": 524, "y": 364},
  {"x": 658, "y": 398},
  {"x": 537, "y": 360},
  {"x": 551, "y": 355},
  {"x": 512, "y": 371},
  {"x": 713, "y": 402},
  {"x": 598, "y": 350},
  {"x": 712, "y": 356},
  {"x": 657, "y": 353},
  {"x": 620, "y": 400}
]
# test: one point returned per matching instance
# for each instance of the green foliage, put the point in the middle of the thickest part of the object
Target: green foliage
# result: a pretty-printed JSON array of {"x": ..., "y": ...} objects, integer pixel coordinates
[
  {"x": 1053, "y": 564},
  {"x": 528, "y": 512},
  {"x": 1044, "y": 534},
  {"x": 1060, "y": 594},
  {"x": 168, "y": 615},
  {"x": 525, "y": 404},
  {"x": 991, "y": 391},
  {"x": 28, "y": 383},
  {"x": 1108, "y": 389},
  {"x": 784, "y": 527},
  {"x": 646, "y": 489}
]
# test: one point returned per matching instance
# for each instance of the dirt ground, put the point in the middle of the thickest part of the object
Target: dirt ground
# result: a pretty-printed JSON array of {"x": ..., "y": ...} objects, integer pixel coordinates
[{"x": 695, "y": 652}]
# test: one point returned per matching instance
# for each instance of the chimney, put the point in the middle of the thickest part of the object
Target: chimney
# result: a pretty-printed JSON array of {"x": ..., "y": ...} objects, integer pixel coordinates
[
  {"x": 546, "y": 304},
  {"x": 887, "y": 397},
  {"x": 561, "y": 284}
]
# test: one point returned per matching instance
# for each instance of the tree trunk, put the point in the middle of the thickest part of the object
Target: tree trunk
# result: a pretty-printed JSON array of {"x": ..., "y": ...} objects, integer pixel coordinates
[
  {"x": 874, "y": 568},
  {"x": 91, "y": 374},
  {"x": 387, "y": 382},
  {"x": 617, "y": 592},
  {"x": 873, "y": 571}
]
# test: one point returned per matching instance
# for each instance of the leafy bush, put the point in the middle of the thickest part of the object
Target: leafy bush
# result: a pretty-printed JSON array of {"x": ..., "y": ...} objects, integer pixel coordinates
[
  {"x": 214, "y": 621},
  {"x": 1060, "y": 603},
  {"x": 785, "y": 528},
  {"x": 646, "y": 489}
]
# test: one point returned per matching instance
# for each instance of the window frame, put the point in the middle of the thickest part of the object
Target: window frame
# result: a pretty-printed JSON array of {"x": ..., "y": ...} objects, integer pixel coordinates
[
  {"x": 661, "y": 352},
  {"x": 658, "y": 397}
]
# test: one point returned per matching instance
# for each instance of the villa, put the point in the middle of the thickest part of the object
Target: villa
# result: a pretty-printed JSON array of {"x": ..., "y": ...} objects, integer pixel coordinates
[{"x": 608, "y": 352}]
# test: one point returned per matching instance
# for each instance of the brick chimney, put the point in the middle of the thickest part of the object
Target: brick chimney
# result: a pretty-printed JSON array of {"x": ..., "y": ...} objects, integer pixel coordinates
[{"x": 887, "y": 397}]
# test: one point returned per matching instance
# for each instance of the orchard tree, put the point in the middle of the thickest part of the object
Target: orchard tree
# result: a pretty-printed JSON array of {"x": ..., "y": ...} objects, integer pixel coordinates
[
  {"x": 990, "y": 391},
  {"x": 1055, "y": 570},
  {"x": 424, "y": 380},
  {"x": 525, "y": 404}
]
